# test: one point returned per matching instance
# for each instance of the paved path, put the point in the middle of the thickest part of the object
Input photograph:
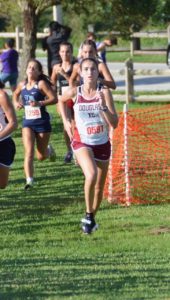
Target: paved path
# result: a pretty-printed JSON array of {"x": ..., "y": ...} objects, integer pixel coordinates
[{"x": 142, "y": 83}]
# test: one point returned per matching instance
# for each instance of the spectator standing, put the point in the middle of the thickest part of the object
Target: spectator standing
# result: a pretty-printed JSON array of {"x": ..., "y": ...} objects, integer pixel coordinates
[
  {"x": 58, "y": 34},
  {"x": 9, "y": 60}
]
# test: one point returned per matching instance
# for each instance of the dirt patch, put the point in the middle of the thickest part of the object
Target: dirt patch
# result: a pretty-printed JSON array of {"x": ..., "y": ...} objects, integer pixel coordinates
[{"x": 160, "y": 230}]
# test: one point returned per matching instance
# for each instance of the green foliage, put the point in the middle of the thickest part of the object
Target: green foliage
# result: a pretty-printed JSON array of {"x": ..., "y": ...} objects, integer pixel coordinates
[
  {"x": 37, "y": 5},
  {"x": 119, "y": 15},
  {"x": 44, "y": 19},
  {"x": 126, "y": 15},
  {"x": 105, "y": 15},
  {"x": 162, "y": 13},
  {"x": 3, "y": 23},
  {"x": 10, "y": 14}
]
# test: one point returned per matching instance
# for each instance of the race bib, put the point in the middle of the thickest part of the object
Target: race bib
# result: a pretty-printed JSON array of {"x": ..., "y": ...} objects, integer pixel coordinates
[
  {"x": 32, "y": 113},
  {"x": 95, "y": 129}
]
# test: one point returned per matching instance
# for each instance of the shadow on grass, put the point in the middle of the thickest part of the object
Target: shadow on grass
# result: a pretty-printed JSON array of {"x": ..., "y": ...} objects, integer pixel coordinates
[
  {"x": 56, "y": 188},
  {"x": 109, "y": 276}
]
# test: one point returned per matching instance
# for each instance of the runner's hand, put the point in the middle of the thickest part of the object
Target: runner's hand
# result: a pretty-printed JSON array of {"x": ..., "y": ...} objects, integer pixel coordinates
[
  {"x": 18, "y": 105},
  {"x": 101, "y": 98},
  {"x": 68, "y": 128}
]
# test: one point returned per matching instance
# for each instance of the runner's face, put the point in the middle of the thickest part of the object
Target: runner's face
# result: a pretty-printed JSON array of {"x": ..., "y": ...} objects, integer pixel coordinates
[
  {"x": 88, "y": 51},
  {"x": 32, "y": 70},
  {"x": 89, "y": 71},
  {"x": 65, "y": 53}
]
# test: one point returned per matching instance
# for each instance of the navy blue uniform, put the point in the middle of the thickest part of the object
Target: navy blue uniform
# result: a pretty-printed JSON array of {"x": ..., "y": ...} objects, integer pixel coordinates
[
  {"x": 7, "y": 152},
  {"x": 36, "y": 118},
  {"x": 62, "y": 81},
  {"x": 7, "y": 145}
]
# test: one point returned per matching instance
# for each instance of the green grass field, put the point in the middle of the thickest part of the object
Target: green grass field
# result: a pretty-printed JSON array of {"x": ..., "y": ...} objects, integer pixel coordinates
[
  {"x": 138, "y": 58},
  {"x": 44, "y": 254}
]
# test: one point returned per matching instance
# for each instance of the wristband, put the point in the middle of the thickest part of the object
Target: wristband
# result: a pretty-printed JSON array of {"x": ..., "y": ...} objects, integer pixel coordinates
[{"x": 104, "y": 108}]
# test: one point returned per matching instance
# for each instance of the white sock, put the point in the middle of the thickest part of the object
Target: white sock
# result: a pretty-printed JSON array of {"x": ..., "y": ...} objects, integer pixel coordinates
[{"x": 29, "y": 180}]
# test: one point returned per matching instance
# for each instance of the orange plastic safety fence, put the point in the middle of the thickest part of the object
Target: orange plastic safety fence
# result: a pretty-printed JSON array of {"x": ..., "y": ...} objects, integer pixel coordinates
[{"x": 140, "y": 161}]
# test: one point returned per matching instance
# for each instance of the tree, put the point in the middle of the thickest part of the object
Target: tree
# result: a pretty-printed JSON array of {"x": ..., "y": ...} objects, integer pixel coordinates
[{"x": 31, "y": 10}]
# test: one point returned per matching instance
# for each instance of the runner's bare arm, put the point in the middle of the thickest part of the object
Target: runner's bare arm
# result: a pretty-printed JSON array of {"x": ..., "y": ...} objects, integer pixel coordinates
[{"x": 108, "y": 78}]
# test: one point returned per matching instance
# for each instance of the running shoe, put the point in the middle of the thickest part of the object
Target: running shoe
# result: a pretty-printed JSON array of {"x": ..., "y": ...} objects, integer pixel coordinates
[
  {"x": 28, "y": 186},
  {"x": 68, "y": 157},
  {"x": 52, "y": 154},
  {"x": 89, "y": 225}
]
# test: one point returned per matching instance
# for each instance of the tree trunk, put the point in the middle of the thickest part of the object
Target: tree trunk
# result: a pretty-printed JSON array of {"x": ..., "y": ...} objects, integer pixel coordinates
[{"x": 29, "y": 41}]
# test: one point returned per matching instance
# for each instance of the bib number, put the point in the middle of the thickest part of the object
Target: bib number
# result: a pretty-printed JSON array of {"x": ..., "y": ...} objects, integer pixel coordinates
[
  {"x": 32, "y": 113},
  {"x": 95, "y": 129}
]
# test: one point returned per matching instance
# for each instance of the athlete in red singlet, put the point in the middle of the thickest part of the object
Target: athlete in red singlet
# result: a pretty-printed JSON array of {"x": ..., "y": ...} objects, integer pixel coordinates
[{"x": 94, "y": 113}]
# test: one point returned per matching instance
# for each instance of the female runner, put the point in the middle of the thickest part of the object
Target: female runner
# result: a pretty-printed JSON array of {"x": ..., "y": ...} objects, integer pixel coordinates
[
  {"x": 94, "y": 112},
  {"x": 105, "y": 78},
  {"x": 36, "y": 93},
  {"x": 61, "y": 74}
]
